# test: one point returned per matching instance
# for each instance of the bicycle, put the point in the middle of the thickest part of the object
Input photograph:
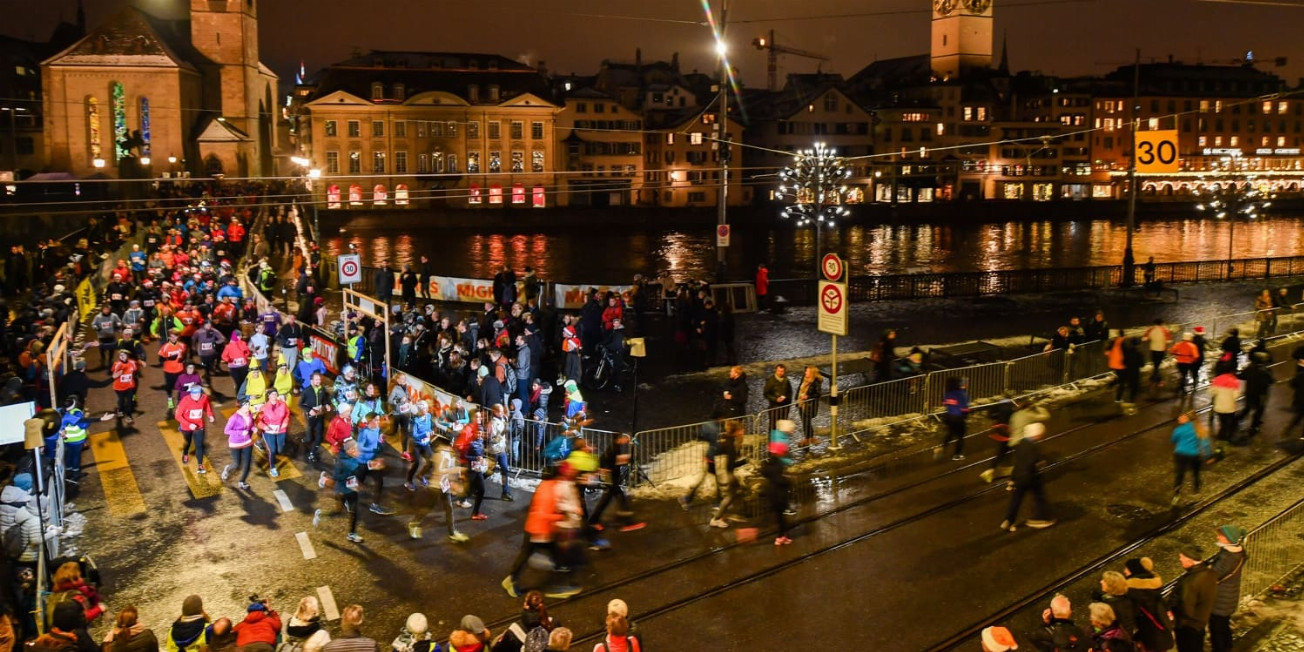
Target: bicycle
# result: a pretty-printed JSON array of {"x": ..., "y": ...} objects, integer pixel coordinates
[{"x": 603, "y": 369}]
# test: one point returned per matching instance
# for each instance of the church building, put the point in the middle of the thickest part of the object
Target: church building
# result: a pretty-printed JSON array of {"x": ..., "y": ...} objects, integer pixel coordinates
[{"x": 142, "y": 95}]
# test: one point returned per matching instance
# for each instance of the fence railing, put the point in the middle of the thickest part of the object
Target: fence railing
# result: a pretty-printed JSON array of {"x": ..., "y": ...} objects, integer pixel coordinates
[{"x": 1272, "y": 551}]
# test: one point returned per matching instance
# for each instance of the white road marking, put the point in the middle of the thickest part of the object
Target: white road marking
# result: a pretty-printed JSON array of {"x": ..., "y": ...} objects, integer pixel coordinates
[
  {"x": 283, "y": 500},
  {"x": 328, "y": 603},
  {"x": 306, "y": 546}
]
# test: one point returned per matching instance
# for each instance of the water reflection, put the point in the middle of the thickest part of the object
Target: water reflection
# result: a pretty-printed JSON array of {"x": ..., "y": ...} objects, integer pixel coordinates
[{"x": 616, "y": 254}]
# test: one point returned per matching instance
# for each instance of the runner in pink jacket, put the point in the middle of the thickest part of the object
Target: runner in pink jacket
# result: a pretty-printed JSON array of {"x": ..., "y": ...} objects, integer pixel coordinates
[
  {"x": 191, "y": 411},
  {"x": 240, "y": 438},
  {"x": 274, "y": 421}
]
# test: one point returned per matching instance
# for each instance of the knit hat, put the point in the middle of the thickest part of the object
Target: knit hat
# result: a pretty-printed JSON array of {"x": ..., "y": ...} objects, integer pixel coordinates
[
  {"x": 1140, "y": 567},
  {"x": 484, "y": 371},
  {"x": 417, "y": 624},
  {"x": 618, "y": 607},
  {"x": 1192, "y": 551},
  {"x": 786, "y": 425},
  {"x": 196, "y": 388},
  {"x": 1199, "y": 330},
  {"x": 192, "y": 606},
  {"x": 472, "y": 624},
  {"x": 23, "y": 481},
  {"x": 999, "y": 639},
  {"x": 1234, "y": 533}
]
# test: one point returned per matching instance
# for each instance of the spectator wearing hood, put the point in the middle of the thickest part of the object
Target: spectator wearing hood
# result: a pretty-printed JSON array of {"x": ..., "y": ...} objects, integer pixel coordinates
[
  {"x": 187, "y": 632},
  {"x": 20, "y": 525},
  {"x": 470, "y": 636},
  {"x": 260, "y": 625}
]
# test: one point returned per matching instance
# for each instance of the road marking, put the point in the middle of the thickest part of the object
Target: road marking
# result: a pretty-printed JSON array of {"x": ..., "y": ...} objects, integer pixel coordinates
[
  {"x": 121, "y": 492},
  {"x": 306, "y": 546},
  {"x": 283, "y": 500},
  {"x": 201, "y": 486},
  {"x": 328, "y": 603}
]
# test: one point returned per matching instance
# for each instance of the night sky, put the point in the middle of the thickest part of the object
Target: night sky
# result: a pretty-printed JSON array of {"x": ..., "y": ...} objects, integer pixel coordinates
[{"x": 1052, "y": 36}]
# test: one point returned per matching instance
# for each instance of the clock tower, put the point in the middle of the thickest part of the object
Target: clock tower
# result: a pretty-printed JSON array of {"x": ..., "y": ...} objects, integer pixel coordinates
[{"x": 962, "y": 37}]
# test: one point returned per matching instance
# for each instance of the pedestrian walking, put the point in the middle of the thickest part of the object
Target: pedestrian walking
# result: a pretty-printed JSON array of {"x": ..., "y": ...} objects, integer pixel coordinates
[
  {"x": 1027, "y": 479},
  {"x": 1227, "y": 564},
  {"x": 1157, "y": 338},
  {"x": 778, "y": 487},
  {"x": 730, "y": 441},
  {"x": 1258, "y": 380},
  {"x": 193, "y": 409},
  {"x": 614, "y": 471},
  {"x": 1191, "y": 602},
  {"x": 1190, "y": 448},
  {"x": 1187, "y": 357},
  {"x": 956, "y": 402},
  {"x": 778, "y": 395},
  {"x": 240, "y": 432},
  {"x": 444, "y": 483},
  {"x": 1224, "y": 391}
]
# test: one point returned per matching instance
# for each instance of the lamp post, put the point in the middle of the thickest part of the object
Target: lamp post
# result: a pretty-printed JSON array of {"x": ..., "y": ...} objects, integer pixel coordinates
[
  {"x": 313, "y": 174},
  {"x": 1232, "y": 192},
  {"x": 816, "y": 184}
]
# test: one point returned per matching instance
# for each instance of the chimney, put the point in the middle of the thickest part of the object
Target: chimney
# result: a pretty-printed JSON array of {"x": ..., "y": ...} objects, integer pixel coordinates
[{"x": 674, "y": 62}]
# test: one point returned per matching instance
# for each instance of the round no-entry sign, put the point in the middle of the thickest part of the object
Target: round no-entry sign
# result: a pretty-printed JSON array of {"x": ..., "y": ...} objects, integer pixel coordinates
[{"x": 832, "y": 267}]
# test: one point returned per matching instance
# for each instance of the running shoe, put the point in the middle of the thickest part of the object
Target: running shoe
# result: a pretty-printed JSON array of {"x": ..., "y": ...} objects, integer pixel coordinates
[
  {"x": 782, "y": 541},
  {"x": 316, "y": 517},
  {"x": 600, "y": 544},
  {"x": 509, "y": 585},
  {"x": 563, "y": 592},
  {"x": 683, "y": 502},
  {"x": 185, "y": 459},
  {"x": 414, "y": 530},
  {"x": 354, "y": 537},
  {"x": 1007, "y": 526},
  {"x": 407, "y": 457},
  {"x": 376, "y": 508},
  {"x": 633, "y": 526},
  {"x": 790, "y": 512},
  {"x": 409, "y": 486},
  {"x": 226, "y": 472},
  {"x": 479, "y": 516},
  {"x": 201, "y": 470},
  {"x": 718, "y": 522},
  {"x": 507, "y": 498},
  {"x": 957, "y": 457},
  {"x": 245, "y": 486},
  {"x": 458, "y": 537},
  {"x": 274, "y": 473},
  {"x": 988, "y": 475},
  {"x": 1040, "y": 523}
]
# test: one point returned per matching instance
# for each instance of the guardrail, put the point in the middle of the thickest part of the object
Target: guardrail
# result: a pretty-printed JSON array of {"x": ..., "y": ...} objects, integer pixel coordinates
[{"x": 1273, "y": 551}]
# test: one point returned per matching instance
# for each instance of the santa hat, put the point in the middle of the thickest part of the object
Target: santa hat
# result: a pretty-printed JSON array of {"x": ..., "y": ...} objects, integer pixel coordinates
[{"x": 998, "y": 639}]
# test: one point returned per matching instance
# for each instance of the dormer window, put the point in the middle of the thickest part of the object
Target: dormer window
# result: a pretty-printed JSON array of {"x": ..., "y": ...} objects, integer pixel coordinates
[
  {"x": 493, "y": 92},
  {"x": 377, "y": 91},
  {"x": 493, "y": 65},
  {"x": 399, "y": 91},
  {"x": 473, "y": 93}
]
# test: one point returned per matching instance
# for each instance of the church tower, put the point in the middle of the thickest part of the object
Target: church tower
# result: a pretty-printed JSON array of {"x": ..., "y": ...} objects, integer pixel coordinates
[
  {"x": 962, "y": 37},
  {"x": 226, "y": 32}
]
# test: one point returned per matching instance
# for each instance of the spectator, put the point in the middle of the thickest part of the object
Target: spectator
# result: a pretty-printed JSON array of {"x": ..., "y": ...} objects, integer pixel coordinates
[
  {"x": 1153, "y": 630},
  {"x": 559, "y": 639},
  {"x": 70, "y": 587},
  {"x": 67, "y": 631},
  {"x": 20, "y": 526},
  {"x": 619, "y": 608},
  {"x": 998, "y": 639},
  {"x": 470, "y": 636},
  {"x": 1192, "y": 601},
  {"x": 130, "y": 635},
  {"x": 187, "y": 633},
  {"x": 1227, "y": 566},
  {"x": 305, "y": 628},
  {"x": 351, "y": 638},
  {"x": 415, "y": 636},
  {"x": 778, "y": 394},
  {"x": 261, "y": 626},
  {"x": 1060, "y": 633},
  {"x": 533, "y": 626},
  {"x": 762, "y": 287},
  {"x": 220, "y": 636},
  {"x": 1106, "y": 626},
  {"x": 618, "y": 638},
  {"x": 1113, "y": 592}
]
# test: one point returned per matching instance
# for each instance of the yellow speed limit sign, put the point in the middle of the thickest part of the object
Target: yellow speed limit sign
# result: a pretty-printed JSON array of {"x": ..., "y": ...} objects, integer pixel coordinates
[{"x": 1156, "y": 151}]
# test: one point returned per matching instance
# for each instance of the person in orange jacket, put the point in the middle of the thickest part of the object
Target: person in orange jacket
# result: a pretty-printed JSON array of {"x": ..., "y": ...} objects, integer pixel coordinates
[
  {"x": 554, "y": 503},
  {"x": 173, "y": 354},
  {"x": 191, "y": 411},
  {"x": 236, "y": 355},
  {"x": 1187, "y": 355},
  {"x": 125, "y": 372}
]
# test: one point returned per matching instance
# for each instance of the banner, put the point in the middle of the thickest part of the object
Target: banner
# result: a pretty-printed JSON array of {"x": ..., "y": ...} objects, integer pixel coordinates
[
  {"x": 325, "y": 349},
  {"x": 465, "y": 290},
  {"x": 436, "y": 397},
  {"x": 571, "y": 297},
  {"x": 86, "y": 298}
]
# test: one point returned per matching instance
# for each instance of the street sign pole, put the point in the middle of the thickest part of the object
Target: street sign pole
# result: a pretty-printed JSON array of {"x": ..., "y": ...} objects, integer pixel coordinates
[
  {"x": 834, "y": 446},
  {"x": 834, "y": 271}
]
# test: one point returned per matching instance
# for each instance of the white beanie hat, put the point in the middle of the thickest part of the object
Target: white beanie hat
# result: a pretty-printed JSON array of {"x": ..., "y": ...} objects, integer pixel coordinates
[{"x": 417, "y": 624}]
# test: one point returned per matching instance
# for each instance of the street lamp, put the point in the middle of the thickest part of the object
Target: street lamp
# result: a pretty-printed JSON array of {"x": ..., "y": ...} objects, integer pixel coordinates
[
  {"x": 314, "y": 173},
  {"x": 816, "y": 184},
  {"x": 1231, "y": 192}
]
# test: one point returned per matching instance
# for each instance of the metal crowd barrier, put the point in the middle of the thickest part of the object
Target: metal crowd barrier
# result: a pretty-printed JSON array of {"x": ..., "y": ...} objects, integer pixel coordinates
[{"x": 1273, "y": 551}]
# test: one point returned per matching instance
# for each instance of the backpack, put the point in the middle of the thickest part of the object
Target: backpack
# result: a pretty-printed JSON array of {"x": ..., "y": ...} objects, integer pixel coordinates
[
  {"x": 536, "y": 640},
  {"x": 511, "y": 379}
]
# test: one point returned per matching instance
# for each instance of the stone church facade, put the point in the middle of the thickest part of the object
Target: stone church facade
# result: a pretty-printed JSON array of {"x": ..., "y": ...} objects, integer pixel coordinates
[{"x": 140, "y": 96}]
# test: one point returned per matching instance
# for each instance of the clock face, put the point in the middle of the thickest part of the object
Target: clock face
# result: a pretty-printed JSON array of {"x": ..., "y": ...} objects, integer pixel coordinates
[
  {"x": 978, "y": 6},
  {"x": 944, "y": 7}
]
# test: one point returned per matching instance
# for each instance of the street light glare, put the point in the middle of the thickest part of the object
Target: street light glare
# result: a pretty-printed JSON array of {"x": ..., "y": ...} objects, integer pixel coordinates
[{"x": 721, "y": 48}]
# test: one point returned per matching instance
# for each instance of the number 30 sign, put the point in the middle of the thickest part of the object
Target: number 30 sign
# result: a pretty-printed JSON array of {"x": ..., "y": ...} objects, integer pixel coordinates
[{"x": 1156, "y": 151}]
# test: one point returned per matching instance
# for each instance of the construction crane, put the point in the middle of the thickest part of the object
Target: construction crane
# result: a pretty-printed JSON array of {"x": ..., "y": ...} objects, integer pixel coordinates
[{"x": 773, "y": 50}]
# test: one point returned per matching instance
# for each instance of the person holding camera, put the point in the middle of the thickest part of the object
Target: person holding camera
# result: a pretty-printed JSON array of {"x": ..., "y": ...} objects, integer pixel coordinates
[{"x": 260, "y": 628}]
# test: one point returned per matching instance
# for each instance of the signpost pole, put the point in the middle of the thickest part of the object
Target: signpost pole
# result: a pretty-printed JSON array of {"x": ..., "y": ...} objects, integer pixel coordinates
[
  {"x": 834, "y": 446},
  {"x": 832, "y": 294}
]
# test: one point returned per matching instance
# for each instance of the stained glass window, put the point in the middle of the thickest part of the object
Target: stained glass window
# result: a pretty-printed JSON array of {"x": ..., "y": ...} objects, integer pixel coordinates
[
  {"x": 119, "y": 99},
  {"x": 144, "y": 126},
  {"x": 93, "y": 126}
]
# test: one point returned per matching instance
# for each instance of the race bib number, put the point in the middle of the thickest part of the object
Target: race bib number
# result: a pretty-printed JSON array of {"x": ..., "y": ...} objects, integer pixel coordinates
[
  {"x": 273, "y": 428},
  {"x": 206, "y": 346},
  {"x": 126, "y": 378},
  {"x": 237, "y": 362},
  {"x": 352, "y": 482},
  {"x": 116, "y": 296},
  {"x": 292, "y": 341},
  {"x": 149, "y": 303},
  {"x": 196, "y": 415}
]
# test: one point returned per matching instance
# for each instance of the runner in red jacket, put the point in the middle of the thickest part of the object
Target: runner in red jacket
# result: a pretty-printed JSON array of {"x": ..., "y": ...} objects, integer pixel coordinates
[{"x": 191, "y": 411}]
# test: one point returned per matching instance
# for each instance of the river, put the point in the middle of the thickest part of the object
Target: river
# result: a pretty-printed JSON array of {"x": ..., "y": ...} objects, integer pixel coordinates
[{"x": 614, "y": 255}]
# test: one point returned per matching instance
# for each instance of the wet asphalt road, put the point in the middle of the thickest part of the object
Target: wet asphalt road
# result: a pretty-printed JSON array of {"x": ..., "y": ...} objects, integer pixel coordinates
[{"x": 919, "y": 568}]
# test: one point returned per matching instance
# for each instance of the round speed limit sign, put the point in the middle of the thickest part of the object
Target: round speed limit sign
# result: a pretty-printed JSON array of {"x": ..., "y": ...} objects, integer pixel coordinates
[
  {"x": 349, "y": 268},
  {"x": 831, "y": 265}
]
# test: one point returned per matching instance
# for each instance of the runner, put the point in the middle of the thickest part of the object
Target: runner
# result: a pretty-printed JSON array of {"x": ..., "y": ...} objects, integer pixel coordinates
[
  {"x": 193, "y": 408},
  {"x": 240, "y": 439},
  {"x": 274, "y": 423},
  {"x": 125, "y": 372}
]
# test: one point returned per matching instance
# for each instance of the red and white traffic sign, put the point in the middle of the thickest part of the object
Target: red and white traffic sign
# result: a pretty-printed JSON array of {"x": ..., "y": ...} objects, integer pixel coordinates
[
  {"x": 833, "y": 315},
  {"x": 350, "y": 269},
  {"x": 722, "y": 235},
  {"x": 832, "y": 267}
]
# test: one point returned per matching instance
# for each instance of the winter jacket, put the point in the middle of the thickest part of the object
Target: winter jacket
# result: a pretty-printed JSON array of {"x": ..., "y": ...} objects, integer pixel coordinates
[
  {"x": 776, "y": 387},
  {"x": 1114, "y": 632},
  {"x": 186, "y": 633},
  {"x": 1258, "y": 380},
  {"x": 137, "y": 639},
  {"x": 192, "y": 412},
  {"x": 239, "y": 431},
  {"x": 274, "y": 418},
  {"x": 1060, "y": 634},
  {"x": 1185, "y": 352},
  {"x": 422, "y": 426},
  {"x": 207, "y": 342},
  {"x": 20, "y": 529},
  {"x": 236, "y": 354},
  {"x": 1192, "y": 601},
  {"x": 1225, "y": 389},
  {"x": 339, "y": 430},
  {"x": 312, "y": 398},
  {"x": 1227, "y": 565},
  {"x": 1153, "y": 629},
  {"x": 543, "y": 516},
  {"x": 1186, "y": 441},
  {"x": 368, "y": 444},
  {"x": 957, "y": 403},
  {"x": 306, "y": 368},
  {"x": 1115, "y": 353},
  {"x": 1026, "y": 472},
  {"x": 261, "y": 626},
  {"x": 184, "y": 381}
]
